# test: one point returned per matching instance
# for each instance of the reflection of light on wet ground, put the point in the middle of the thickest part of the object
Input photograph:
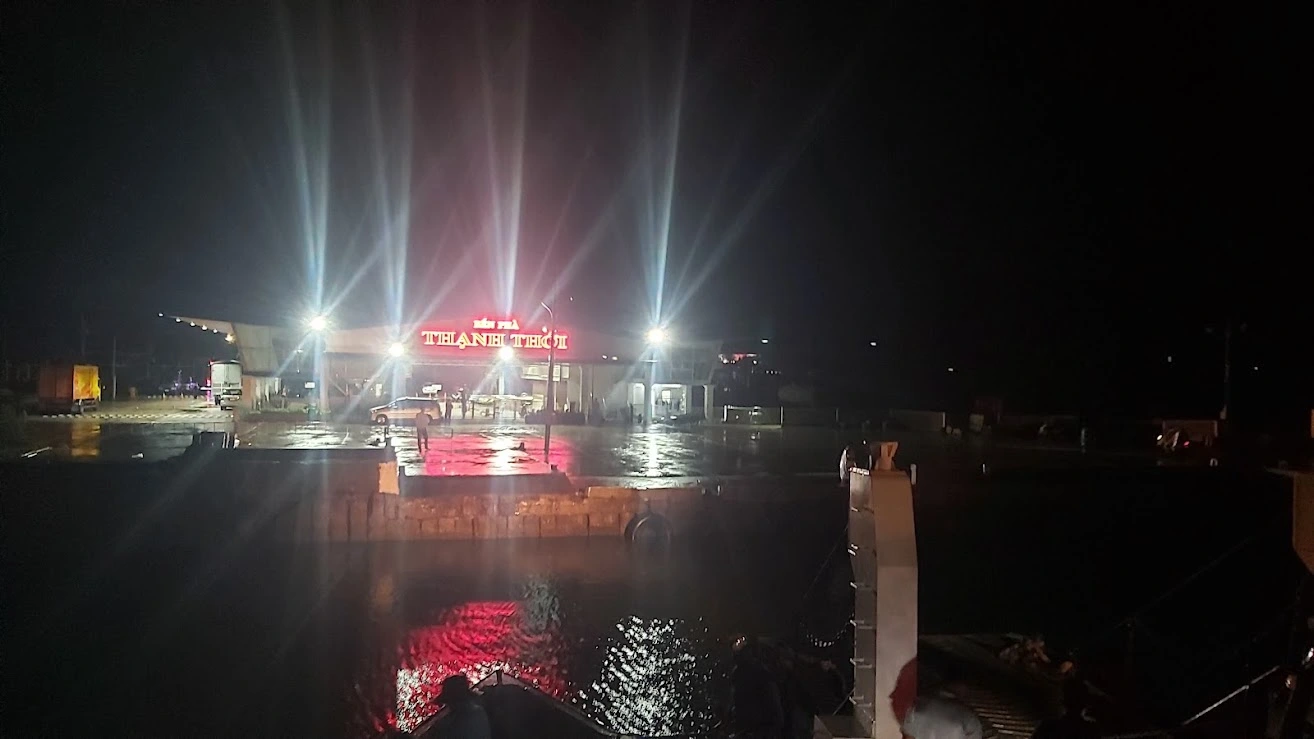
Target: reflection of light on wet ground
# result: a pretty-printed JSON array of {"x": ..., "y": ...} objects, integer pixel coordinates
[
  {"x": 600, "y": 451},
  {"x": 653, "y": 468},
  {"x": 474, "y": 639},
  {"x": 513, "y": 450},
  {"x": 90, "y": 440},
  {"x": 84, "y": 440},
  {"x": 656, "y": 679}
]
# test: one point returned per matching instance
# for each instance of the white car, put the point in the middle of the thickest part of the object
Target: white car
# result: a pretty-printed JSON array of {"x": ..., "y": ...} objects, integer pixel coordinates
[{"x": 405, "y": 409}]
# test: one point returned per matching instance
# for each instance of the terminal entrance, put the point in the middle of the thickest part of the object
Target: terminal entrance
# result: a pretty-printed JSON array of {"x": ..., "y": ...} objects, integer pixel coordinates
[{"x": 500, "y": 391}]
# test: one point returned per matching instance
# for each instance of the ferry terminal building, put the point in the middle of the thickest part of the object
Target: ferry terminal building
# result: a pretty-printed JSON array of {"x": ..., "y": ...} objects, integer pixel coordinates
[{"x": 495, "y": 361}]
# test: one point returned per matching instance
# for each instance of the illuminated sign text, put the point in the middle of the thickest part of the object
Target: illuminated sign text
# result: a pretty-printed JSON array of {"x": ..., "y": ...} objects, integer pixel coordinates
[{"x": 493, "y": 334}]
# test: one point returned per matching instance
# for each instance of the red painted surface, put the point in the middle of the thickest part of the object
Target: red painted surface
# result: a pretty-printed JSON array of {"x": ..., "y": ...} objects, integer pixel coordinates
[{"x": 904, "y": 694}]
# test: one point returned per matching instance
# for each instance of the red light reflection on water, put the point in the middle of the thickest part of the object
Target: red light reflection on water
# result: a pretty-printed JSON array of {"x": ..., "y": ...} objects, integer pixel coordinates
[{"x": 474, "y": 639}]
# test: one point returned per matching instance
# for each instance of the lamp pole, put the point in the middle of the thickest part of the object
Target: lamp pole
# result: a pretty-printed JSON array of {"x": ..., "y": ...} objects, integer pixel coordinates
[
  {"x": 551, "y": 380},
  {"x": 319, "y": 326}
]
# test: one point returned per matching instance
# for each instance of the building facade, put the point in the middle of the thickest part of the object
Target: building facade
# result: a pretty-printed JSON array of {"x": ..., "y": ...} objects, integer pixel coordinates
[{"x": 497, "y": 364}]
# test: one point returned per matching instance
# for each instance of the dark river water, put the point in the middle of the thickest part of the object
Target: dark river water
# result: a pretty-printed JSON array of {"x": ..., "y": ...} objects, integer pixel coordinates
[
  {"x": 354, "y": 642},
  {"x": 638, "y": 641},
  {"x": 126, "y": 627}
]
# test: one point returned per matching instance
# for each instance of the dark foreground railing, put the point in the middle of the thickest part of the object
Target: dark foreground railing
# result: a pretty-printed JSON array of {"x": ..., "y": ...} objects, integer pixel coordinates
[{"x": 517, "y": 709}]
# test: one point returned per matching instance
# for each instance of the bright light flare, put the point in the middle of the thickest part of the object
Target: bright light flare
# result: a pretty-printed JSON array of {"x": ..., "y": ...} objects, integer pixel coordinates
[
  {"x": 657, "y": 336},
  {"x": 318, "y": 323},
  {"x": 397, "y": 349},
  {"x": 506, "y": 354}
]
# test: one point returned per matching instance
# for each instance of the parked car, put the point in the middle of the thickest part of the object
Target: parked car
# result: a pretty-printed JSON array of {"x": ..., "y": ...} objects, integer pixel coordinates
[{"x": 405, "y": 409}]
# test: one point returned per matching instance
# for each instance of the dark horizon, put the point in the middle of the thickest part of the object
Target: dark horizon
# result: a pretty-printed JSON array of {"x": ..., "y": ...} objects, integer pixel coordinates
[{"x": 1052, "y": 201}]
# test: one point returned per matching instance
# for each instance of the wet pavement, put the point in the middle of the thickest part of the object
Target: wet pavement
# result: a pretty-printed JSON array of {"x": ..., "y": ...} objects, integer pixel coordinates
[
  {"x": 583, "y": 451},
  {"x": 89, "y": 440},
  {"x": 147, "y": 429},
  {"x": 656, "y": 453}
]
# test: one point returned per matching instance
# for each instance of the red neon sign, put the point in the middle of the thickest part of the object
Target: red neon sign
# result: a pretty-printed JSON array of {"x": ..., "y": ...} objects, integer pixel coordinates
[{"x": 494, "y": 334}]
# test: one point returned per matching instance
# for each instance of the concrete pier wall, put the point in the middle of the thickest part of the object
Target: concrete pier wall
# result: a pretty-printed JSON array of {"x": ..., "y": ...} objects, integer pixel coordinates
[
  {"x": 528, "y": 508},
  {"x": 311, "y": 497}
]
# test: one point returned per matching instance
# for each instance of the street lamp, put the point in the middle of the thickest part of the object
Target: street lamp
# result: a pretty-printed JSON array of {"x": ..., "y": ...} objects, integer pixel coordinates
[
  {"x": 397, "y": 350},
  {"x": 318, "y": 323},
  {"x": 551, "y": 385},
  {"x": 657, "y": 336}
]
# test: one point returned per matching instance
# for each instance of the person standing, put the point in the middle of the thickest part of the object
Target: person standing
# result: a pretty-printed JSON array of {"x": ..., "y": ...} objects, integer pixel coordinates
[
  {"x": 447, "y": 414},
  {"x": 422, "y": 431}
]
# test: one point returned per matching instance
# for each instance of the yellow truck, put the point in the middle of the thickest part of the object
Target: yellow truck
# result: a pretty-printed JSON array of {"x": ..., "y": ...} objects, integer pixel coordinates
[{"x": 68, "y": 388}]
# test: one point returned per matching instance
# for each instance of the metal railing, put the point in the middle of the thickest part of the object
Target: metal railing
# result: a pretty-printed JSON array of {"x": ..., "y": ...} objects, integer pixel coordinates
[{"x": 1175, "y": 648}]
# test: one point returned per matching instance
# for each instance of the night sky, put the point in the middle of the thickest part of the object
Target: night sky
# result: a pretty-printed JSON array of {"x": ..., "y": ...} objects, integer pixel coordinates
[{"x": 1051, "y": 199}]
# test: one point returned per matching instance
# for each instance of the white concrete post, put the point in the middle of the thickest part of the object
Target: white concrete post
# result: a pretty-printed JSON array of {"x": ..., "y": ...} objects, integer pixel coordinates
[{"x": 883, "y": 542}]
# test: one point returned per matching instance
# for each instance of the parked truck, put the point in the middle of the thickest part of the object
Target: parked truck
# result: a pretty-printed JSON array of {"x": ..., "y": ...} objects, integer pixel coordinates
[
  {"x": 68, "y": 388},
  {"x": 226, "y": 383}
]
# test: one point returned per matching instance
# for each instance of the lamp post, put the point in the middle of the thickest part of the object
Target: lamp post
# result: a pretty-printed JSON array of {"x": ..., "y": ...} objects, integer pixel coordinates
[
  {"x": 657, "y": 338},
  {"x": 551, "y": 380},
  {"x": 318, "y": 324}
]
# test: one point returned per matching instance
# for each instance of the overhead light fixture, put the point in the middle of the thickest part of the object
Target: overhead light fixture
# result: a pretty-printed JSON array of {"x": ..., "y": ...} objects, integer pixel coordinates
[
  {"x": 397, "y": 349},
  {"x": 318, "y": 322},
  {"x": 657, "y": 336}
]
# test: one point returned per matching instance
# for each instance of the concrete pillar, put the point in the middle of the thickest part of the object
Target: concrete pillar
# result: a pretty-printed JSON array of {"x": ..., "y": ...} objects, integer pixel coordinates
[
  {"x": 586, "y": 391},
  {"x": 708, "y": 403},
  {"x": 575, "y": 386},
  {"x": 884, "y": 544},
  {"x": 648, "y": 398},
  {"x": 321, "y": 377},
  {"x": 388, "y": 481},
  {"x": 647, "y": 402}
]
